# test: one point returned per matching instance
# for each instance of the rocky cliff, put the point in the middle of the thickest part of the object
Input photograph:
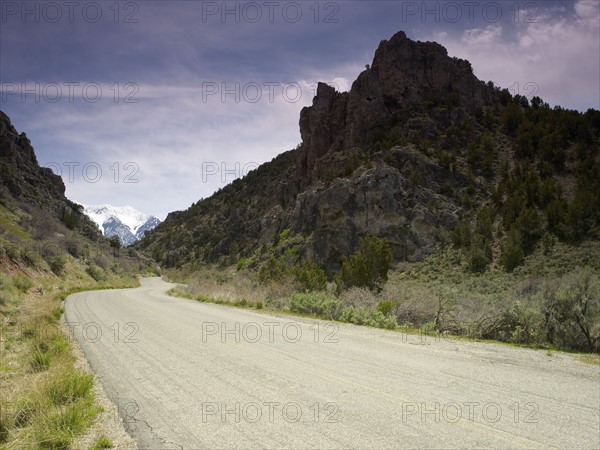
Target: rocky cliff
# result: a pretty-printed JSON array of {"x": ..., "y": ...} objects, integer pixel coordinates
[
  {"x": 416, "y": 143},
  {"x": 20, "y": 171},
  {"x": 30, "y": 184},
  {"x": 406, "y": 78}
]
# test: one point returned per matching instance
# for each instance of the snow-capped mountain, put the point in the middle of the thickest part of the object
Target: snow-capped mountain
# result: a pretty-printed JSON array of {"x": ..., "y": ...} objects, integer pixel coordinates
[{"x": 126, "y": 222}]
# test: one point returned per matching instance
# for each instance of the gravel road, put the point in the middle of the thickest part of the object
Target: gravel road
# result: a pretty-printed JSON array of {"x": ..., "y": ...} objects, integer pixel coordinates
[{"x": 186, "y": 374}]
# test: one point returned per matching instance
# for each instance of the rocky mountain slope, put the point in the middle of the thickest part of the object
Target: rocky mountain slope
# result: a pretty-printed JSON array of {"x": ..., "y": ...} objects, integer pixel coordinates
[
  {"x": 126, "y": 222},
  {"x": 41, "y": 230},
  {"x": 22, "y": 179},
  {"x": 417, "y": 146}
]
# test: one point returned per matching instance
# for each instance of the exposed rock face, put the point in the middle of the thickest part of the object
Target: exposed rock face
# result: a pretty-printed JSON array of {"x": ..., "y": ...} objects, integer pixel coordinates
[
  {"x": 406, "y": 77},
  {"x": 150, "y": 224},
  {"x": 114, "y": 227},
  {"x": 381, "y": 201},
  {"x": 322, "y": 125},
  {"x": 17, "y": 153},
  {"x": 26, "y": 181}
]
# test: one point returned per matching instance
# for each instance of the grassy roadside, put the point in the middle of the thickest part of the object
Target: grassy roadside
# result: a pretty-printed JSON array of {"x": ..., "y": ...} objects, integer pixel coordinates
[
  {"x": 549, "y": 303},
  {"x": 46, "y": 402},
  {"x": 181, "y": 292}
]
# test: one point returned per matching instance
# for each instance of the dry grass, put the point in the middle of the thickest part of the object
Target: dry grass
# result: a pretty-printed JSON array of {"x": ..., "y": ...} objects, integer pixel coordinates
[
  {"x": 44, "y": 401},
  {"x": 357, "y": 296},
  {"x": 233, "y": 287},
  {"x": 589, "y": 359},
  {"x": 436, "y": 295}
]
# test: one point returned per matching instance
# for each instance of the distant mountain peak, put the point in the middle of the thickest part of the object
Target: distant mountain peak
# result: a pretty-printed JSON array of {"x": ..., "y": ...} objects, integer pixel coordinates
[{"x": 126, "y": 222}]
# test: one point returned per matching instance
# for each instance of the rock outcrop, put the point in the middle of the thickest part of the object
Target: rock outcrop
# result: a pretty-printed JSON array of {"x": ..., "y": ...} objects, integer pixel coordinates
[
  {"x": 406, "y": 77},
  {"x": 27, "y": 182},
  {"x": 362, "y": 169},
  {"x": 20, "y": 170},
  {"x": 381, "y": 200},
  {"x": 322, "y": 125}
]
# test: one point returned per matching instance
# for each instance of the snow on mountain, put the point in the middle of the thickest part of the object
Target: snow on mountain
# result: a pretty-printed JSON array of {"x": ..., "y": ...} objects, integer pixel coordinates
[
  {"x": 124, "y": 221},
  {"x": 151, "y": 223}
]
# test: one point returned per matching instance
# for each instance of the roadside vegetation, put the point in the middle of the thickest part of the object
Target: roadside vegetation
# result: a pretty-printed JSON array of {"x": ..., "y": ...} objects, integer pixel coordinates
[
  {"x": 45, "y": 400},
  {"x": 551, "y": 300}
]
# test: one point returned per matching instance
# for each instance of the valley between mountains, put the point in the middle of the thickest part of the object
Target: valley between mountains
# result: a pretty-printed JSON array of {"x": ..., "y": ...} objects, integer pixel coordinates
[{"x": 421, "y": 271}]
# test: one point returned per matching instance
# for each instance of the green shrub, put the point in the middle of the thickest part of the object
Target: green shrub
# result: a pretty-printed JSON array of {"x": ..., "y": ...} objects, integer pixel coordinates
[
  {"x": 461, "y": 235},
  {"x": 429, "y": 329},
  {"x": 57, "y": 264},
  {"x": 58, "y": 428},
  {"x": 581, "y": 213},
  {"x": 290, "y": 256},
  {"x": 573, "y": 311},
  {"x": 25, "y": 409},
  {"x": 69, "y": 386},
  {"x": 22, "y": 283},
  {"x": 529, "y": 224},
  {"x": 95, "y": 272},
  {"x": 11, "y": 251},
  {"x": 5, "y": 426},
  {"x": 102, "y": 442},
  {"x": 522, "y": 324},
  {"x": 480, "y": 254},
  {"x": 30, "y": 257},
  {"x": 242, "y": 263},
  {"x": 70, "y": 220},
  {"x": 511, "y": 252},
  {"x": 556, "y": 216},
  {"x": 39, "y": 361},
  {"x": 5, "y": 295},
  {"x": 316, "y": 303},
  {"x": 385, "y": 307},
  {"x": 363, "y": 315},
  {"x": 58, "y": 344},
  {"x": 548, "y": 242},
  {"x": 512, "y": 117},
  {"x": 55, "y": 314},
  {"x": 311, "y": 277},
  {"x": 484, "y": 222},
  {"x": 273, "y": 270},
  {"x": 368, "y": 267}
]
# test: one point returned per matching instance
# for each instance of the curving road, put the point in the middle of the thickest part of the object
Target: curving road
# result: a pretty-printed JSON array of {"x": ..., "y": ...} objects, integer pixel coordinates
[{"x": 191, "y": 375}]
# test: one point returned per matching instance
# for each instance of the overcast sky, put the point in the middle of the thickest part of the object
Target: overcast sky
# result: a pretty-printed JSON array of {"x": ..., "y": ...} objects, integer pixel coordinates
[{"x": 156, "y": 104}]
